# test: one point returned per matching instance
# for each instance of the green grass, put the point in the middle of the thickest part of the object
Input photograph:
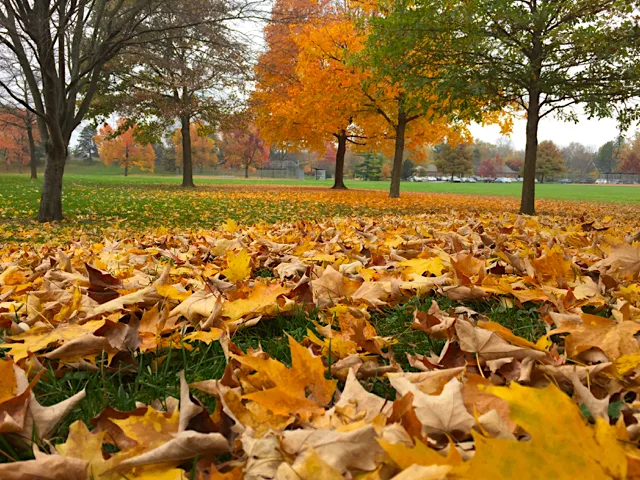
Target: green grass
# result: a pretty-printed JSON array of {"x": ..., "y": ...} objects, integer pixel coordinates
[
  {"x": 102, "y": 174},
  {"x": 143, "y": 379},
  {"x": 105, "y": 200}
]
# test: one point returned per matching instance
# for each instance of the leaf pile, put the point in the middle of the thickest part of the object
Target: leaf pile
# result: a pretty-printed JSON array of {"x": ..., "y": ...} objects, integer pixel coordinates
[{"x": 490, "y": 403}]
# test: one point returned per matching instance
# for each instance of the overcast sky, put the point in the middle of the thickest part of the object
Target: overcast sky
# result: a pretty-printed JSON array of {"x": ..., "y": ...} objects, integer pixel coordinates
[{"x": 588, "y": 132}]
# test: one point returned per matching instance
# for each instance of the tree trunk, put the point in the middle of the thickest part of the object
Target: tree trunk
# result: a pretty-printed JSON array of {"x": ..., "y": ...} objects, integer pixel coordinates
[
  {"x": 338, "y": 183},
  {"x": 246, "y": 171},
  {"x": 51, "y": 198},
  {"x": 187, "y": 166},
  {"x": 396, "y": 173},
  {"x": 126, "y": 169},
  {"x": 32, "y": 152},
  {"x": 528, "y": 201}
]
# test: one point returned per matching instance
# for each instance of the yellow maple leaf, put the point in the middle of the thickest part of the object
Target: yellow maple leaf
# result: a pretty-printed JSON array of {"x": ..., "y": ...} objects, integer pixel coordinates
[
  {"x": 238, "y": 266},
  {"x": 299, "y": 390},
  {"x": 419, "y": 266},
  {"x": 405, "y": 456},
  {"x": 230, "y": 225},
  {"x": 172, "y": 293},
  {"x": 8, "y": 386},
  {"x": 39, "y": 338},
  {"x": 562, "y": 445},
  {"x": 262, "y": 300}
]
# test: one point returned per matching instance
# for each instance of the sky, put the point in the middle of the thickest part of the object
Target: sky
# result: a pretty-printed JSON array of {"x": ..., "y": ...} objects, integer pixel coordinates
[{"x": 591, "y": 133}]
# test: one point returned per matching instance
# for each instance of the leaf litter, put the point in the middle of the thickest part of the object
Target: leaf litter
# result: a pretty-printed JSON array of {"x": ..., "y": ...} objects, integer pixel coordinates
[{"x": 489, "y": 404}]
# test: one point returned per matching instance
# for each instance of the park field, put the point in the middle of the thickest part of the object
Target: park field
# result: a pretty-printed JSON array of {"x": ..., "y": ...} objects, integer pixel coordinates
[
  {"x": 102, "y": 174},
  {"x": 214, "y": 327},
  {"x": 102, "y": 201}
]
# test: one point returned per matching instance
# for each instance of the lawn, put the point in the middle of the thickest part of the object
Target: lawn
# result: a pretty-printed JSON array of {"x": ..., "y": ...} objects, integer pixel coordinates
[{"x": 427, "y": 298}]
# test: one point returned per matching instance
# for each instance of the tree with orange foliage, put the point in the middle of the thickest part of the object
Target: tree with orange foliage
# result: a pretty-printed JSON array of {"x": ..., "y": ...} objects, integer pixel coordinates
[
  {"x": 18, "y": 138},
  {"x": 298, "y": 105},
  {"x": 386, "y": 115},
  {"x": 203, "y": 147},
  {"x": 122, "y": 146},
  {"x": 243, "y": 147},
  {"x": 310, "y": 89}
]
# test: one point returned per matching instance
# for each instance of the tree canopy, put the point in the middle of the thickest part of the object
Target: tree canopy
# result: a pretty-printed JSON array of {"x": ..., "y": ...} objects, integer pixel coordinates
[{"x": 539, "y": 57}]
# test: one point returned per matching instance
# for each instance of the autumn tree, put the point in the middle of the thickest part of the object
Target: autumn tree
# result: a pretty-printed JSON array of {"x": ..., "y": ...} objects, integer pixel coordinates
[
  {"x": 122, "y": 146},
  {"x": 17, "y": 117},
  {"x": 630, "y": 156},
  {"x": 302, "y": 101},
  {"x": 454, "y": 160},
  {"x": 537, "y": 56},
  {"x": 195, "y": 77},
  {"x": 490, "y": 168},
  {"x": 19, "y": 137},
  {"x": 204, "y": 152},
  {"x": 549, "y": 161},
  {"x": 243, "y": 147},
  {"x": 86, "y": 147}
]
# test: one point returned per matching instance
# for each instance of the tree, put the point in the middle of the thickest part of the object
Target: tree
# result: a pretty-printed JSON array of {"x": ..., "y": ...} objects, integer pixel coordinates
[
  {"x": 370, "y": 169},
  {"x": 86, "y": 147},
  {"x": 606, "y": 160},
  {"x": 454, "y": 160},
  {"x": 490, "y": 168},
  {"x": 62, "y": 49},
  {"x": 195, "y": 77},
  {"x": 325, "y": 88},
  {"x": 549, "y": 161},
  {"x": 630, "y": 157},
  {"x": 243, "y": 147},
  {"x": 407, "y": 169},
  {"x": 540, "y": 56},
  {"x": 123, "y": 147},
  {"x": 577, "y": 158},
  {"x": 204, "y": 152},
  {"x": 302, "y": 101},
  {"x": 20, "y": 138}
]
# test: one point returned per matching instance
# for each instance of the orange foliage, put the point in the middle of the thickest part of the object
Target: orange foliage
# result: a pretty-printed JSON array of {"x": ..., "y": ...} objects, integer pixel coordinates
[
  {"x": 14, "y": 140},
  {"x": 203, "y": 147},
  {"x": 309, "y": 89},
  {"x": 124, "y": 148}
]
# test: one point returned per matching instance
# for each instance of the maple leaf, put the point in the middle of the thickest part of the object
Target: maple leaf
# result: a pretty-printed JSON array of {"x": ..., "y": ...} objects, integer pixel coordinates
[
  {"x": 434, "y": 266},
  {"x": 308, "y": 466},
  {"x": 299, "y": 390},
  {"x": 615, "y": 339},
  {"x": 238, "y": 266},
  {"x": 405, "y": 456},
  {"x": 439, "y": 414},
  {"x": 332, "y": 287},
  {"x": 261, "y": 300},
  {"x": 562, "y": 445}
]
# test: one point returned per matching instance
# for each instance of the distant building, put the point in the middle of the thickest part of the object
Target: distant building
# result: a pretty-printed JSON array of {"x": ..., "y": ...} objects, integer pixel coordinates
[{"x": 506, "y": 171}]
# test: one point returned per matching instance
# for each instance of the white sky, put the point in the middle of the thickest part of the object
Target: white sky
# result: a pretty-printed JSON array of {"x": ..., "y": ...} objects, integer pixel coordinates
[{"x": 591, "y": 133}]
